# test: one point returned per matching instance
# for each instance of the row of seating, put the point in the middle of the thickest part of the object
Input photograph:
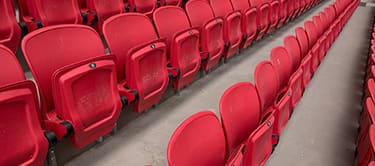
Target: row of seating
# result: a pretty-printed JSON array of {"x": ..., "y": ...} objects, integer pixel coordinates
[
  {"x": 366, "y": 140},
  {"x": 82, "y": 78},
  {"x": 253, "y": 117},
  {"x": 82, "y": 89},
  {"x": 241, "y": 19}
]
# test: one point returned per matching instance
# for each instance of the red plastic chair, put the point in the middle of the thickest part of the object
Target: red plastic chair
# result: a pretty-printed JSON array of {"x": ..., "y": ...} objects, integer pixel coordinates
[
  {"x": 283, "y": 66},
  {"x": 266, "y": 82},
  {"x": 232, "y": 25},
  {"x": 211, "y": 32},
  {"x": 366, "y": 148},
  {"x": 249, "y": 139},
  {"x": 313, "y": 35},
  {"x": 78, "y": 88},
  {"x": 23, "y": 142},
  {"x": 264, "y": 16},
  {"x": 284, "y": 7},
  {"x": 10, "y": 32},
  {"x": 182, "y": 41},
  {"x": 367, "y": 117},
  {"x": 306, "y": 58},
  {"x": 293, "y": 49},
  {"x": 199, "y": 141},
  {"x": 171, "y": 2},
  {"x": 275, "y": 8},
  {"x": 141, "y": 59},
  {"x": 249, "y": 21}
]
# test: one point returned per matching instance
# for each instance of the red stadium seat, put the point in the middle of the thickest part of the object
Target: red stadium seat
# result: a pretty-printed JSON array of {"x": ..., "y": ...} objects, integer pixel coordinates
[
  {"x": 232, "y": 25},
  {"x": 78, "y": 88},
  {"x": 141, "y": 59},
  {"x": 211, "y": 32},
  {"x": 366, "y": 148},
  {"x": 35, "y": 14},
  {"x": 10, "y": 33},
  {"x": 264, "y": 16},
  {"x": 292, "y": 46},
  {"x": 283, "y": 67},
  {"x": 293, "y": 9},
  {"x": 267, "y": 85},
  {"x": 249, "y": 21},
  {"x": 249, "y": 140},
  {"x": 103, "y": 9},
  {"x": 183, "y": 43},
  {"x": 283, "y": 12},
  {"x": 275, "y": 8},
  {"x": 23, "y": 142},
  {"x": 367, "y": 117},
  {"x": 306, "y": 58},
  {"x": 199, "y": 141},
  {"x": 146, "y": 7},
  {"x": 171, "y": 2},
  {"x": 313, "y": 36}
]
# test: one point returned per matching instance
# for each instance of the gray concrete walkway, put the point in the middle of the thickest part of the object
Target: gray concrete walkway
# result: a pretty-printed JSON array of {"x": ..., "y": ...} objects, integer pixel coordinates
[{"x": 324, "y": 122}]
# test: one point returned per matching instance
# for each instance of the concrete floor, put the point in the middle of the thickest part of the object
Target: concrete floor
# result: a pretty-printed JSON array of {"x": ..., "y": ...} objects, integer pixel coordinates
[{"x": 321, "y": 132}]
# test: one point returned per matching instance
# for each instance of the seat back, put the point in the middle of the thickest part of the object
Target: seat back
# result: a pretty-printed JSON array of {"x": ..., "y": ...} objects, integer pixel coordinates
[
  {"x": 319, "y": 25},
  {"x": 199, "y": 140},
  {"x": 11, "y": 70},
  {"x": 241, "y": 5},
  {"x": 72, "y": 51},
  {"x": 292, "y": 46},
  {"x": 19, "y": 116},
  {"x": 120, "y": 44},
  {"x": 171, "y": 2},
  {"x": 312, "y": 33},
  {"x": 240, "y": 113},
  {"x": 324, "y": 18},
  {"x": 303, "y": 41},
  {"x": 167, "y": 28},
  {"x": 10, "y": 32},
  {"x": 50, "y": 12},
  {"x": 266, "y": 84},
  {"x": 143, "y": 6},
  {"x": 221, "y": 8},
  {"x": 104, "y": 9},
  {"x": 280, "y": 59},
  {"x": 199, "y": 12}
]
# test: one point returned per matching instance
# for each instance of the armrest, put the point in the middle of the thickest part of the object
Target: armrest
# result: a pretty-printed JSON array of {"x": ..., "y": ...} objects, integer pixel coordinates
[
  {"x": 236, "y": 158},
  {"x": 127, "y": 96},
  {"x": 283, "y": 98},
  {"x": 29, "y": 24},
  {"x": 89, "y": 17}
]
